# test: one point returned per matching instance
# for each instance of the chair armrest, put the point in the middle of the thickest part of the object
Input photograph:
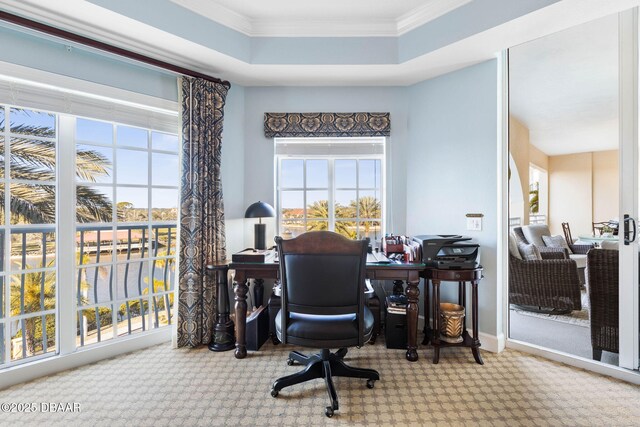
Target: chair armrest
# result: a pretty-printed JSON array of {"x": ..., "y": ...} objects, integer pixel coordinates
[{"x": 582, "y": 248}]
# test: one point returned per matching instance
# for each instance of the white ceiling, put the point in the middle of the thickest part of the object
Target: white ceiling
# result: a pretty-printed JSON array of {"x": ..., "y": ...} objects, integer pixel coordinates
[
  {"x": 326, "y": 18},
  {"x": 564, "y": 88}
]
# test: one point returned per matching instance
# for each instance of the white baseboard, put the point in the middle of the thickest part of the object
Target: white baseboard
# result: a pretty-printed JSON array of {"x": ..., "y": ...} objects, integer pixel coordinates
[{"x": 43, "y": 367}]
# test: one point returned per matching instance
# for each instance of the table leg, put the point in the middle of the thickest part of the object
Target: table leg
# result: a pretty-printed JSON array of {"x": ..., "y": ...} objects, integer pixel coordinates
[
  {"x": 241, "y": 316},
  {"x": 427, "y": 326},
  {"x": 476, "y": 341},
  {"x": 462, "y": 300},
  {"x": 435, "y": 336},
  {"x": 412, "y": 319}
]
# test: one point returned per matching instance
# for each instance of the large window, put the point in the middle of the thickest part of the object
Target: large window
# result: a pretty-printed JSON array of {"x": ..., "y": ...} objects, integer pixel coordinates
[
  {"x": 335, "y": 185},
  {"x": 124, "y": 193}
]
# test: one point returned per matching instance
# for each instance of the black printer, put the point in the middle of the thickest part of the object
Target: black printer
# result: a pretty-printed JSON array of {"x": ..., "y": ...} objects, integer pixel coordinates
[{"x": 448, "y": 251}]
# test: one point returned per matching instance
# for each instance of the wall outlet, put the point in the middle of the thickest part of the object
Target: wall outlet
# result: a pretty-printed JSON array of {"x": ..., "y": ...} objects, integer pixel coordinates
[{"x": 474, "y": 224}]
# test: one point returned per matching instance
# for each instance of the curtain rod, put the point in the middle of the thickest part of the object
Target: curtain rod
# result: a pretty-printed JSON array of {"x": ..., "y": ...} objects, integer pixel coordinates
[{"x": 67, "y": 35}]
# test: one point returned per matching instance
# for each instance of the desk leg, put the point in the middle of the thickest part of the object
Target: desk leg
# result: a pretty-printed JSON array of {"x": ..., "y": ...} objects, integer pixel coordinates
[
  {"x": 476, "y": 341},
  {"x": 427, "y": 326},
  {"x": 413, "y": 293},
  {"x": 241, "y": 316},
  {"x": 435, "y": 335}
]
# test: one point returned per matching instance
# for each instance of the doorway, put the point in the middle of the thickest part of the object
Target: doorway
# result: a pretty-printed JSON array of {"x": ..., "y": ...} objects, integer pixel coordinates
[{"x": 573, "y": 136}]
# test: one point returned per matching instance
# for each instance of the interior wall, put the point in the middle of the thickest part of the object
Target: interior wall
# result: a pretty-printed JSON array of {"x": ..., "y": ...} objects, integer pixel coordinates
[
  {"x": 453, "y": 167},
  {"x": 519, "y": 150},
  {"x": 259, "y": 167},
  {"x": 606, "y": 185},
  {"x": 570, "y": 193}
]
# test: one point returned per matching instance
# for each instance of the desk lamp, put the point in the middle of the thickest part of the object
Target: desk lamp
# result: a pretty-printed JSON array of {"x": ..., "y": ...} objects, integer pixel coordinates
[{"x": 260, "y": 210}]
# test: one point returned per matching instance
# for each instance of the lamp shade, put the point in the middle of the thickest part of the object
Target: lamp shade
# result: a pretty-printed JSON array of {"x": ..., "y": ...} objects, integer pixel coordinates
[{"x": 259, "y": 210}]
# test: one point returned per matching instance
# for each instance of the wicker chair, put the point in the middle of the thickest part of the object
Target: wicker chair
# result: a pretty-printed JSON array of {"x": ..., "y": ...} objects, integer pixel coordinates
[
  {"x": 602, "y": 282},
  {"x": 547, "y": 285}
]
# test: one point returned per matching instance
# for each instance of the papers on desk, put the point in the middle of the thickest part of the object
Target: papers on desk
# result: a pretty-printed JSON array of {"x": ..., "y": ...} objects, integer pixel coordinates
[{"x": 378, "y": 257}]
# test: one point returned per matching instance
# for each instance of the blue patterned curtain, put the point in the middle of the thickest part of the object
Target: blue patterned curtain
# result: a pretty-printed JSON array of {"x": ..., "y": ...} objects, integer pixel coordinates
[{"x": 202, "y": 232}]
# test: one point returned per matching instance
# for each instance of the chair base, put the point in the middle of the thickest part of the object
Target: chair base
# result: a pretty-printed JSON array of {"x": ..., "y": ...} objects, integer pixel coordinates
[{"x": 323, "y": 365}]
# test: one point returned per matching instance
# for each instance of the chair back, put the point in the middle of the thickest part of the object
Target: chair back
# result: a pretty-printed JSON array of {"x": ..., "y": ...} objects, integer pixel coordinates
[
  {"x": 322, "y": 273},
  {"x": 567, "y": 233},
  {"x": 602, "y": 282}
]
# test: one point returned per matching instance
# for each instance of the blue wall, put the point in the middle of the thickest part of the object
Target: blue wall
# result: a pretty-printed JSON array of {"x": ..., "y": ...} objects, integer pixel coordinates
[{"x": 452, "y": 141}]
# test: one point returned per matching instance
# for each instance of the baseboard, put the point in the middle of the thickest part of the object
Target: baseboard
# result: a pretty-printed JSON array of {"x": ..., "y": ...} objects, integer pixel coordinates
[
  {"x": 492, "y": 343},
  {"x": 43, "y": 367}
]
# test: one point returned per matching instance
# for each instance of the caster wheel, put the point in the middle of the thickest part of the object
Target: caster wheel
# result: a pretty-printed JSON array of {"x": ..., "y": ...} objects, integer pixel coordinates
[
  {"x": 274, "y": 393},
  {"x": 290, "y": 362},
  {"x": 370, "y": 383},
  {"x": 328, "y": 411}
]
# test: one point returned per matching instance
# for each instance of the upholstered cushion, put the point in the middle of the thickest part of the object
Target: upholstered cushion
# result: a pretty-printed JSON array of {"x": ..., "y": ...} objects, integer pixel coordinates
[
  {"x": 606, "y": 244},
  {"x": 556, "y": 242},
  {"x": 513, "y": 247},
  {"x": 533, "y": 233},
  {"x": 529, "y": 251},
  {"x": 315, "y": 327}
]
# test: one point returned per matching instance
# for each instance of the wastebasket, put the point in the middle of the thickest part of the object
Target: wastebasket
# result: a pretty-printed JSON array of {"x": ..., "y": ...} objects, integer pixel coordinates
[{"x": 451, "y": 322}]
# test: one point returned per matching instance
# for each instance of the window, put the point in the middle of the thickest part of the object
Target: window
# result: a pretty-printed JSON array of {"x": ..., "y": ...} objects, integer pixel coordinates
[
  {"x": 331, "y": 184},
  {"x": 124, "y": 231}
]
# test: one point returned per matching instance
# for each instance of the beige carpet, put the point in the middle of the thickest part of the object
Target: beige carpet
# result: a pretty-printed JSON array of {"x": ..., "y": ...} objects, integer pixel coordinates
[{"x": 161, "y": 386}]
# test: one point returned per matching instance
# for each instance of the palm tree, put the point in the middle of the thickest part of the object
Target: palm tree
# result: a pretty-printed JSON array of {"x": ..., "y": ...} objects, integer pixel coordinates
[
  {"x": 320, "y": 210},
  {"x": 36, "y": 161}
]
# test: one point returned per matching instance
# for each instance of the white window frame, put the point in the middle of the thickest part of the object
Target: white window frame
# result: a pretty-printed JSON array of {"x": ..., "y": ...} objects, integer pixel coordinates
[{"x": 331, "y": 189}]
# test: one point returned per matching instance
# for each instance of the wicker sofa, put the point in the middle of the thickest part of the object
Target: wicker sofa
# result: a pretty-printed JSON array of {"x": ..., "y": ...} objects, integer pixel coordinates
[{"x": 548, "y": 285}]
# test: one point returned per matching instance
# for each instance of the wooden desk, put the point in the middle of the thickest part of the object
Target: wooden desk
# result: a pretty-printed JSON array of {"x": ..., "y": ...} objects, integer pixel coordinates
[{"x": 378, "y": 271}]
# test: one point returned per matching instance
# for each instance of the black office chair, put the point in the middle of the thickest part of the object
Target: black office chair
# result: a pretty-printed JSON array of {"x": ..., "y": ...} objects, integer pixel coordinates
[{"x": 323, "y": 306}]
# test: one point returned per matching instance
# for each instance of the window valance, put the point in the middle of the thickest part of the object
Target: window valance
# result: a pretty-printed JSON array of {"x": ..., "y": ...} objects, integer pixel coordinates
[{"x": 326, "y": 124}]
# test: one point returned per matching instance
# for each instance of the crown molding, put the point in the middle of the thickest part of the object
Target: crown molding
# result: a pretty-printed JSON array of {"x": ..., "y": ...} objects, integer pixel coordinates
[
  {"x": 430, "y": 11},
  {"x": 392, "y": 27}
]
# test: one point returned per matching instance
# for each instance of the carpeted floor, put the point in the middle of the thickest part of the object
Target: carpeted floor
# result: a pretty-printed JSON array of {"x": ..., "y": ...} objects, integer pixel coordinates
[{"x": 161, "y": 386}]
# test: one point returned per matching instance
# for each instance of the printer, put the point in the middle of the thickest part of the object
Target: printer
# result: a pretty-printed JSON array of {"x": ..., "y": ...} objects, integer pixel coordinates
[{"x": 448, "y": 251}]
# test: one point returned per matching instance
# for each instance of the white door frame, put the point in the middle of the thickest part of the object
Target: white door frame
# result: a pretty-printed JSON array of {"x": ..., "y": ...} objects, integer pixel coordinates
[{"x": 628, "y": 102}]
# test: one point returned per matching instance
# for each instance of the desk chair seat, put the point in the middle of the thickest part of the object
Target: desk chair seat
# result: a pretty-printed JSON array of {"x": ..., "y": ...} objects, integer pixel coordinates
[{"x": 323, "y": 276}]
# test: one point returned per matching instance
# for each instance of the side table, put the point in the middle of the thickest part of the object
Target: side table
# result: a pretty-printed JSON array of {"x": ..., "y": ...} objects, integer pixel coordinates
[{"x": 437, "y": 276}]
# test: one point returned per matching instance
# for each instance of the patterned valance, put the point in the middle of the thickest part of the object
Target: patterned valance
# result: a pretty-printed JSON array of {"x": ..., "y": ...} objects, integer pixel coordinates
[{"x": 326, "y": 124}]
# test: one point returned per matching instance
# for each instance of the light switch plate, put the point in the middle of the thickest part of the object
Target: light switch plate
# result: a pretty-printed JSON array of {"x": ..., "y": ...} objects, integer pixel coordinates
[{"x": 474, "y": 224}]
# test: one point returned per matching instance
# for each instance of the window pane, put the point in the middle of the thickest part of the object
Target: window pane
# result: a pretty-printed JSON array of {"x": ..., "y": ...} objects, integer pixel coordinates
[
  {"x": 165, "y": 169},
  {"x": 132, "y": 279},
  {"x": 318, "y": 204},
  {"x": 369, "y": 205},
  {"x": 32, "y": 250},
  {"x": 32, "y": 159},
  {"x": 370, "y": 229},
  {"x": 290, "y": 229},
  {"x": 33, "y": 292},
  {"x": 317, "y": 174},
  {"x": 96, "y": 284},
  {"x": 132, "y": 137},
  {"x": 164, "y": 274},
  {"x": 164, "y": 141},
  {"x": 345, "y": 204},
  {"x": 94, "y": 163},
  {"x": 33, "y": 204},
  {"x": 94, "y": 131},
  {"x": 164, "y": 240},
  {"x": 292, "y": 204},
  {"x": 163, "y": 309},
  {"x": 94, "y": 204},
  {"x": 164, "y": 205},
  {"x": 291, "y": 175},
  {"x": 132, "y": 204},
  {"x": 30, "y": 122},
  {"x": 347, "y": 229},
  {"x": 132, "y": 316},
  {"x": 132, "y": 167},
  {"x": 32, "y": 337},
  {"x": 370, "y": 174},
  {"x": 1, "y": 119},
  {"x": 94, "y": 246},
  {"x": 94, "y": 325},
  {"x": 345, "y": 173}
]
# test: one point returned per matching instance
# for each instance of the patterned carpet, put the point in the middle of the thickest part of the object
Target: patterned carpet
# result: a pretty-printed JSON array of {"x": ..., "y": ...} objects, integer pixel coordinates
[{"x": 161, "y": 386}]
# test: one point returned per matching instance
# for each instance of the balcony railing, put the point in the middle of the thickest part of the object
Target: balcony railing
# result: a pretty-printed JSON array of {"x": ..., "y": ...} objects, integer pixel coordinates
[{"x": 122, "y": 276}]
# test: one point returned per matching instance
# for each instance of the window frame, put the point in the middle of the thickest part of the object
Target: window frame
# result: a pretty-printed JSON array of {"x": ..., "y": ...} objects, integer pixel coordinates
[{"x": 331, "y": 187}]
